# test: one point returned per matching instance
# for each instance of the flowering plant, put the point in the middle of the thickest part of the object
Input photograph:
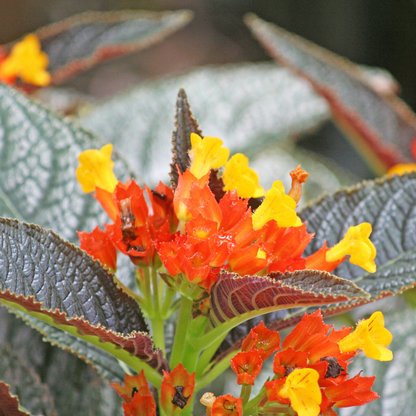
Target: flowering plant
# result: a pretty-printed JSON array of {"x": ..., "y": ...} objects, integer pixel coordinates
[{"x": 212, "y": 253}]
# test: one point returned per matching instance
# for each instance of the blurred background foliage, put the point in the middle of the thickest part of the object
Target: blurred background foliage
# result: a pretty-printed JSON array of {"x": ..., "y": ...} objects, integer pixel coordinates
[{"x": 378, "y": 33}]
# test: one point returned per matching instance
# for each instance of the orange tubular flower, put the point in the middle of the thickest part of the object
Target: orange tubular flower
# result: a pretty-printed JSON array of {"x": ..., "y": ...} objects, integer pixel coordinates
[
  {"x": 177, "y": 388},
  {"x": 353, "y": 392},
  {"x": 263, "y": 340},
  {"x": 227, "y": 406},
  {"x": 247, "y": 366},
  {"x": 136, "y": 396},
  {"x": 98, "y": 245}
]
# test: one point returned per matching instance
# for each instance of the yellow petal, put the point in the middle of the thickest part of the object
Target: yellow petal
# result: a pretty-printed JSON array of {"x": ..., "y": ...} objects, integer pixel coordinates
[
  {"x": 276, "y": 206},
  {"x": 302, "y": 389},
  {"x": 237, "y": 175},
  {"x": 96, "y": 170},
  {"x": 27, "y": 61},
  {"x": 371, "y": 336},
  {"x": 401, "y": 169},
  {"x": 357, "y": 244},
  {"x": 206, "y": 154}
]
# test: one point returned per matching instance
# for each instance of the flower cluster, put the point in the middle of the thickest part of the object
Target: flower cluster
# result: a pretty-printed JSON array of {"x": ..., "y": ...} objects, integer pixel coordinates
[
  {"x": 25, "y": 61},
  {"x": 310, "y": 373},
  {"x": 310, "y": 367},
  {"x": 177, "y": 388},
  {"x": 199, "y": 228}
]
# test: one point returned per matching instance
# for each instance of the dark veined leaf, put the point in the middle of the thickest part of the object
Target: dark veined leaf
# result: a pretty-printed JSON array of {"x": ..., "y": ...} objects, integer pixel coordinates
[
  {"x": 241, "y": 104},
  {"x": 181, "y": 138},
  {"x": 23, "y": 381},
  {"x": 389, "y": 204},
  {"x": 9, "y": 404},
  {"x": 104, "y": 363},
  {"x": 83, "y": 40},
  {"x": 80, "y": 392},
  {"x": 53, "y": 280},
  {"x": 38, "y": 158},
  {"x": 382, "y": 126},
  {"x": 233, "y": 296}
]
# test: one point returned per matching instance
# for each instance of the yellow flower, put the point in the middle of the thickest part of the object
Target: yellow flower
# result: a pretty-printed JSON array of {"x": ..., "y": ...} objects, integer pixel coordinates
[
  {"x": 27, "y": 61},
  {"x": 402, "y": 168},
  {"x": 237, "y": 175},
  {"x": 276, "y": 206},
  {"x": 357, "y": 244},
  {"x": 96, "y": 170},
  {"x": 206, "y": 154},
  {"x": 302, "y": 389},
  {"x": 370, "y": 336}
]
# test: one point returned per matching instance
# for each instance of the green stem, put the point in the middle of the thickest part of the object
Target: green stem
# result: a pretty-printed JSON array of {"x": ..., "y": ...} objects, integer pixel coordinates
[
  {"x": 158, "y": 328},
  {"x": 253, "y": 404},
  {"x": 217, "y": 370},
  {"x": 169, "y": 295},
  {"x": 156, "y": 300},
  {"x": 245, "y": 393},
  {"x": 206, "y": 356},
  {"x": 144, "y": 285},
  {"x": 184, "y": 319}
]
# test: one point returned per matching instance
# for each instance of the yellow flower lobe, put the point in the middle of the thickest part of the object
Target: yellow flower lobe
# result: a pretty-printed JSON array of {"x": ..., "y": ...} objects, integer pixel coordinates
[
  {"x": 237, "y": 175},
  {"x": 28, "y": 62},
  {"x": 206, "y": 154},
  {"x": 357, "y": 244},
  {"x": 302, "y": 389},
  {"x": 401, "y": 169},
  {"x": 371, "y": 336},
  {"x": 276, "y": 206},
  {"x": 96, "y": 170}
]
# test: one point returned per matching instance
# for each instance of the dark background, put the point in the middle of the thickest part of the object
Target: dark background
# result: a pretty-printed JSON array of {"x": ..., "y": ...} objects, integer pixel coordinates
[{"x": 371, "y": 32}]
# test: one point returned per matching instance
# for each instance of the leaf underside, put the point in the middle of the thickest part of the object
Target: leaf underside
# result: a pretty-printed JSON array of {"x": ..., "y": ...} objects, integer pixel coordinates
[
  {"x": 22, "y": 380},
  {"x": 81, "y": 41},
  {"x": 234, "y": 296},
  {"x": 9, "y": 404},
  {"x": 51, "y": 278},
  {"x": 381, "y": 125}
]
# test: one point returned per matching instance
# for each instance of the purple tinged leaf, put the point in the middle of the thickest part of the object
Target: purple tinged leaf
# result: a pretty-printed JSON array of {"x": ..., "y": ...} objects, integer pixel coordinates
[
  {"x": 9, "y": 404},
  {"x": 235, "y": 296},
  {"x": 181, "y": 138},
  {"x": 380, "y": 125}
]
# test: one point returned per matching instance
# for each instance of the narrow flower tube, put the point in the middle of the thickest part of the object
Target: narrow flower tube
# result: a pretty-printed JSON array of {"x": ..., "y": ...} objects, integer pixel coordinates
[
  {"x": 357, "y": 244},
  {"x": 371, "y": 336}
]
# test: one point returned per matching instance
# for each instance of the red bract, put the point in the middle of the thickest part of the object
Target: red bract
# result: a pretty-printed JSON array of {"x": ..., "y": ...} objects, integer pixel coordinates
[
  {"x": 266, "y": 342},
  {"x": 140, "y": 406},
  {"x": 176, "y": 391},
  {"x": 289, "y": 359},
  {"x": 310, "y": 335},
  {"x": 247, "y": 366},
  {"x": 227, "y": 406},
  {"x": 353, "y": 392},
  {"x": 98, "y": 245}
]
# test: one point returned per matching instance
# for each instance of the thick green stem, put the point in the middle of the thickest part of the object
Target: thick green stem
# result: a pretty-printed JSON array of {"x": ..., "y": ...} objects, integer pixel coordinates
[
  {"x": 211, "y": 375},
  {"x": 156, "y": 299},
  {"x": 245, "y": 393},
  {"x": 184, "y": 318},
  {"x": 206, "y": 356},
  {"x": 166, "y": 306},
  {"x": 158, "y": 328}
]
